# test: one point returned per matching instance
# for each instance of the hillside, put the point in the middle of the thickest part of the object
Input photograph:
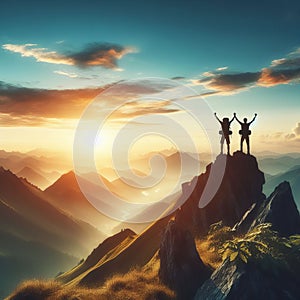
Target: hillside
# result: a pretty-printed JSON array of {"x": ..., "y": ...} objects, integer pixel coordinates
[
  {"x": 70, "y": 235},
  {"x": 135, "y": 251},
  {"x": 21, "y": 259}
]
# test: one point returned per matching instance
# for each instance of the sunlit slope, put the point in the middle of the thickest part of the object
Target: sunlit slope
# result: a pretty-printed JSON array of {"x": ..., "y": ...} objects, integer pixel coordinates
[{"x": 132, "y": 251}]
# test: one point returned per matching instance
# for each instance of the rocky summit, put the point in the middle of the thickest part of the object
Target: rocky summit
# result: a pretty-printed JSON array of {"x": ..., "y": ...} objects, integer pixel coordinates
[{"x": 241, "y": 186}]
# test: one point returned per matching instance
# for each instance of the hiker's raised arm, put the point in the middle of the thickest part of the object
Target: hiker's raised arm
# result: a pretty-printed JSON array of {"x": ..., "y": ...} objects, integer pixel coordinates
[
  {"x": 234, "y": 115},
  {"x": 255, "y": 115},
  {"x": 232, "y": 118},
  {"x": 217, "y": 118}
]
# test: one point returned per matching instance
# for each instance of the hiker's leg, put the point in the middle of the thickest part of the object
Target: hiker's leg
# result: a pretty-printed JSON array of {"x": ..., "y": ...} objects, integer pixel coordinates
[
  {"x": 222, "y": 144},
  {"x": 242, "y": 141},
  {"x": 248, "y": 145},
  {"x": 228, "y": 144}
]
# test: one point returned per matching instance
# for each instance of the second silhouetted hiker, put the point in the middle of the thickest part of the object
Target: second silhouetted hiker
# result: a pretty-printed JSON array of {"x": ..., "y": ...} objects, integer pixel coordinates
[{"x": 245, "y": 131}]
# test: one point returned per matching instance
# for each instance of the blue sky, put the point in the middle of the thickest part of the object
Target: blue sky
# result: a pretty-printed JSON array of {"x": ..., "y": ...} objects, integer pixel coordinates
[
  {"x": 164, "y": 39},
  {"x": 174, "y": 38}
]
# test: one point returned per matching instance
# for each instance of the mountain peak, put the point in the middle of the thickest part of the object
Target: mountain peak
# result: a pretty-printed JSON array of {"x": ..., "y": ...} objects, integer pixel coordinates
[
  {"x": 279, "y": 209},
  {"x": 241, "y": 186}
]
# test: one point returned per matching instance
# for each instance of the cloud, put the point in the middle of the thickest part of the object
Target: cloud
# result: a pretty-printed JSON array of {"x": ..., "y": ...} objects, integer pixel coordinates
[
  {"x": 25, "y": 106},
  {"x": 141, "y": 108},
  {"x": 222, "y": 68},
  {"x": 229, "y": 82},
  {"x": 94, "y": 54},
  {"x": 281, "y": 140},
  {"x": 23, "y": 101},
  {"x": 67, "y": 74},
  {"x": 221, "y": 82},
  {"x": 289, "y": 137},
  {"x": 271, "y": 77},
  {"x": 291, "y": 61},
  {"x": 178, "y": 78},
  {"x": 297, "y": 129},
  {"x": 8, "y": 120}
]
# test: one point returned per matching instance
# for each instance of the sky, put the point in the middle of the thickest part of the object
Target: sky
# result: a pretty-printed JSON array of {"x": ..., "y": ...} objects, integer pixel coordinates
[{"x": 57, "y": 56}]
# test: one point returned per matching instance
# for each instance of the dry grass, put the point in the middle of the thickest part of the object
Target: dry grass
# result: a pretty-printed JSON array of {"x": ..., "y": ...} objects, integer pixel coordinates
[
  {"x": 51, "y": 290},
  {"x": 210, "y": 245},
  {"x": 207, "y": 254},
  {"x": 136, "y": 284}
]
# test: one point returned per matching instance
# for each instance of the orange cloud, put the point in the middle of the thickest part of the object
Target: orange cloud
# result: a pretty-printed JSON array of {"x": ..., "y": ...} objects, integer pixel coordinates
[
  {"x": 34, "y": 107},
  {"x": 20, "y": 101},
  {"x": 221, "y": 82},
  {"x": 270, "y": 78},
  {"x": 141, "y": 108}
]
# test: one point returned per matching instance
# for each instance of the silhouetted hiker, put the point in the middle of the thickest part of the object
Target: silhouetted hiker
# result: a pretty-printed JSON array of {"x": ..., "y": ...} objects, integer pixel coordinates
[
  {"x": 225, "y": 132},
  {"x": 245, "y": 132}
]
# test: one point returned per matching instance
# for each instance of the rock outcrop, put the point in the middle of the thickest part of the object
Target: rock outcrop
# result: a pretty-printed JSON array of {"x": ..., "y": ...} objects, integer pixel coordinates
[
  {"x": 181, "y": 267},
  {"x": 236, "y": 280},
  {"x": 279, "y": 209},
  {"x": 241, "y": 187}
]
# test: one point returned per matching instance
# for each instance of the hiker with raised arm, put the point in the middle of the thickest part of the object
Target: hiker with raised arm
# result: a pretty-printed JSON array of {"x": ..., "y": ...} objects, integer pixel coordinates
[
  {"x": 245, "y": 132},
  {"x": 225, "y": 132}
]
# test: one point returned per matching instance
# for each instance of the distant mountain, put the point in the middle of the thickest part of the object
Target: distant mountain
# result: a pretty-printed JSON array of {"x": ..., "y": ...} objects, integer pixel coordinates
[
  {"x": 33, "y": 218},
  {"x": 270, "y": 154},
  {"x": 34, "y": 177},
  {"x": 292, "y": 176},
  {"x": 47, "y": 166},
  {"x": 184, "y": 162},
  {"x": 279, "y": 164},
  {"x": 66, "y": 195}
]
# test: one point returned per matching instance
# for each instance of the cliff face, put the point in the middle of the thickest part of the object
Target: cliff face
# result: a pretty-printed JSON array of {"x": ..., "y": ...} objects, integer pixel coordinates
[
  {"x": 181, "y": 267},
  {"x": 241, "y": 186}
]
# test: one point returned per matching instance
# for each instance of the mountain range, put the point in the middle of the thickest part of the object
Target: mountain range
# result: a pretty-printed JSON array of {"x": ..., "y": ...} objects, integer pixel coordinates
[
  {"x": 241, "y": 245},
  {"x": 278, "y": 164}
]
